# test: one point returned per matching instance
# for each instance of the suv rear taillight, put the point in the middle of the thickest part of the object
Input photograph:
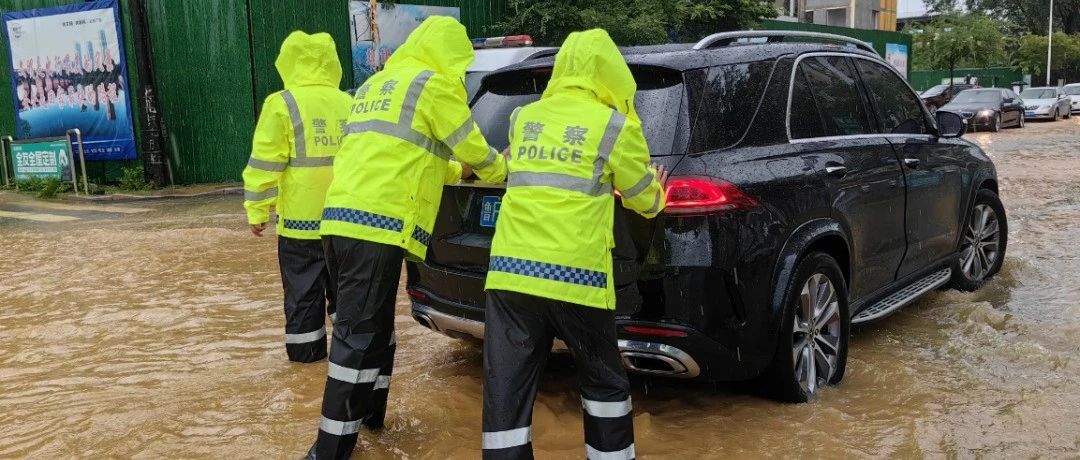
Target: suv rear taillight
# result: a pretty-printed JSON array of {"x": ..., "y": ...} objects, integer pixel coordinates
[{"x": 696, "y": 195}]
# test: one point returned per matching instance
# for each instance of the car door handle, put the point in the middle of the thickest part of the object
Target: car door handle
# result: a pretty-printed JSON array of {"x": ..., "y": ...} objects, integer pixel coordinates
[
  {"x": 911, "y": 162},
  {"x": 836, "y": 171}
]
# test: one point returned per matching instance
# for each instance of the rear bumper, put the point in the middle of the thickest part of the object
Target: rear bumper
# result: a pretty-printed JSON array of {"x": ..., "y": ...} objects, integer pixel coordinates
[{"x": 638, "y": 356}]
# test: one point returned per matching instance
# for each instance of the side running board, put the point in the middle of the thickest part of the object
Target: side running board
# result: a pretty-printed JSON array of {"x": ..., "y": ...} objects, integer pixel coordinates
[{"x": 890, "y": 304}]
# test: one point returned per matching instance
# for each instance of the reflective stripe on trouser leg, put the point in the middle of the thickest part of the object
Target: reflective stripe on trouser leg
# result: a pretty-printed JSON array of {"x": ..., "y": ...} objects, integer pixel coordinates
[
  {"x": 517, "y": 341},
  {"x": 367, "y": 281},
  {"x": 304, "y": 279},
  {"x": 590, "y": 335}
]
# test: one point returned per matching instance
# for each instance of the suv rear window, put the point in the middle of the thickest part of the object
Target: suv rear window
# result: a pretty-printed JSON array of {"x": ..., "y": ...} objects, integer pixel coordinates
[{"x": 658, "y": 103}]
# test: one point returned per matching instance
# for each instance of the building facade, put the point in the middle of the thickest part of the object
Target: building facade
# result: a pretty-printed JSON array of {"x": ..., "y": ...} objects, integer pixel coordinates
[{"x": 855, "y": 14}]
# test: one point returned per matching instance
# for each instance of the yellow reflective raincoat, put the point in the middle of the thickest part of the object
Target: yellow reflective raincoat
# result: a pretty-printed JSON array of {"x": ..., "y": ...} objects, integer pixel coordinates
[
  {"x": 298, "y": 134},
  {"x": 553, "y": 238},
  {"x": 407, "y": 121}
]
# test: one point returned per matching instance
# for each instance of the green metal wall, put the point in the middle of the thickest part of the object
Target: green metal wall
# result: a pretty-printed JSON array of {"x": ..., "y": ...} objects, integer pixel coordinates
[
  {"x": 214, "y": 65},
  {"x": 922, "y": 80},
  {"x": 97, "y": 170}
]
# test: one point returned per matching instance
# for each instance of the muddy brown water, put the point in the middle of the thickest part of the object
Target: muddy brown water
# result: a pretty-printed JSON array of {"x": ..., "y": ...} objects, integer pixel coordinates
[{"x": 159, "y": 335}]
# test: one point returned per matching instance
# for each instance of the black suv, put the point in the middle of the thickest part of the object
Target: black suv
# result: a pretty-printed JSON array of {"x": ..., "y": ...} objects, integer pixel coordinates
[{"x": 811, "y": 190}]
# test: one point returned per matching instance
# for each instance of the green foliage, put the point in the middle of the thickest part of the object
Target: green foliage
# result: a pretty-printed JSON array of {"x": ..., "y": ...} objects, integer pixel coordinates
[
  {"x": 1032, "y": 16},
  {"x": 1030, "y": 57},
  {"x": 958, "y": 40},
  {"x": 631, "y": 22},
  {"x": 45, "y": 188},
  {"x": 132, "y": 179}
]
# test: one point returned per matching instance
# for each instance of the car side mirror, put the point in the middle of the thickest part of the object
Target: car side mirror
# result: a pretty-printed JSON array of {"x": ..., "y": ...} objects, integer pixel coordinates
[{"x": 950, "y": 124}]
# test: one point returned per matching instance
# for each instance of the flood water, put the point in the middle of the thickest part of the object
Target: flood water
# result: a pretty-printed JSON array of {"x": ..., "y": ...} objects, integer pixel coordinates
[{"x": 159, "y": 334}]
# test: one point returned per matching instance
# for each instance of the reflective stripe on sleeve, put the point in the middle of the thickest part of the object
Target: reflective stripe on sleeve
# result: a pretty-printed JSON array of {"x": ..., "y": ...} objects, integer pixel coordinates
[
  {"x": 558, "y": 180},
  {"x": 639, "y": 187},
  {"x": 350, "y": 375},
  {"x": 412, "y": 98},
  {"x": 338, "y": 428},
  {"x": 382, "y": 382},
  {"x": 297, "y": 123},
  {"x": 606, "y": 409},
  {"x": 489, "y": 159},
  {"x": 306, "y": 337},
  {"x": 508, "y": 438},
  {"x": 264, "y": 165},
  {"x": 259, "y": 196},
  {"x": 402, "y": 132},
  {"x": 460, "y": 133},
  {"x": 655, "y": 204},
  {"x": 625, "y": 454},
  {"x": 607, "y": 143}
]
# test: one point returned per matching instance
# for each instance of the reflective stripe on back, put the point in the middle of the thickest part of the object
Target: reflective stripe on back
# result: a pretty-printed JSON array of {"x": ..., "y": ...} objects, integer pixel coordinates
[
  {"x": 297, "y": 123},
  {"x": 607, "y": 143},
  {"x": 422, "y": 236},
  {"x": 402, "y": 132},
  {"x": 412, "y": 97},
  {"x": 369, "y": 219},
  {"x": 311, "y": 162},
  {"x": 548, "y": 271},
  {"x": 558, "y": 180}
]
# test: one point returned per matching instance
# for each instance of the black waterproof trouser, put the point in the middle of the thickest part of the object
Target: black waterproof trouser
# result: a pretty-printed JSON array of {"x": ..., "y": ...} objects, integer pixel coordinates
[
  {"x": 309, "y": 298},
  {"x": 362, "y": 347},
  {"x": 518, "y": 334}
]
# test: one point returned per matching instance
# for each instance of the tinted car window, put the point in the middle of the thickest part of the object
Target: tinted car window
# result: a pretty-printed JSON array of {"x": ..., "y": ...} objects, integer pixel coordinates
[
  {"x": 975, "y": 96},
  {"x": 658, "y": 103},
  {"x": 897, "y": 108},
  {"x": 725, "y": 103},
  {"x": 829, "y": 85}
]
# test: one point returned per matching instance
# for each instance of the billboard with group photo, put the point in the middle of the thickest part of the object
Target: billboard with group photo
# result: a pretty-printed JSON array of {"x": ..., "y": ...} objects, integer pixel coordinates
[
  {"x": 393, "y": 25},
  {"x": 68, "y": 71}
]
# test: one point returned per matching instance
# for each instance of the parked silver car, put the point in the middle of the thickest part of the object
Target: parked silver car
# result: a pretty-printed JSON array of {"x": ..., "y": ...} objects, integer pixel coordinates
[
  {"x": 1048, "y": 103},
  {"x": 1073, "y": 91}
]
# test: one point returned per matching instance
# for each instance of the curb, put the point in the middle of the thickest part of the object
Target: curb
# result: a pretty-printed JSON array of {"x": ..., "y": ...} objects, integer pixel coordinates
[{"x": 168, "y": 196}]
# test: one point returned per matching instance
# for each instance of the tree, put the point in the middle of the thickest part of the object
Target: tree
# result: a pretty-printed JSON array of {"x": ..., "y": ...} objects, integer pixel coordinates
[
  {"x": 955, "y": 40},
  {"x": 1030, "y": 57},
  {"x": 631, "y": 22},
  {"x": 1031, "y": 15}
]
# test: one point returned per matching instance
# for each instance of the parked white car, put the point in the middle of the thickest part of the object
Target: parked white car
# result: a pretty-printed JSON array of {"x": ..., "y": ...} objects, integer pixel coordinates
[
  {"x": 493, "y": 53},
  {"x": 1049, "y": 103},
  {"x": 1073, "y": 91}
]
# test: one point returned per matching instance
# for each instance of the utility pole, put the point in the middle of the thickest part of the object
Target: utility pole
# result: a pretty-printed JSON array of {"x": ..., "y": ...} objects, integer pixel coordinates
[
  {"x": 155, "y": 162},
  {"x": 1049, "y": 42}
]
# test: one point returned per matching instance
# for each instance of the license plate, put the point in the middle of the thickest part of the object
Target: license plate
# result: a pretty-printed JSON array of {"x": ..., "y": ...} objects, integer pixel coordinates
[
  {"x": 489, "y": 210},
  {"x": 1029, "y": 114}
]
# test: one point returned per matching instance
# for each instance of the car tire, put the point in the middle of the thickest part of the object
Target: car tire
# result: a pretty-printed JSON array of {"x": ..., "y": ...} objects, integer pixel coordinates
[
  {"x": 823, "y": 345},
  {"x": 985, "y": 236},
  {"x": 996, "y": 126}
]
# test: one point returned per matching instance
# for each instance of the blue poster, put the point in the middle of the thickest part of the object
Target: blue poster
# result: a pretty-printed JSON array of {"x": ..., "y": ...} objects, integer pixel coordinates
[
  {"x": 393, "y": 24},
  {"x": 68, "y": 71}
]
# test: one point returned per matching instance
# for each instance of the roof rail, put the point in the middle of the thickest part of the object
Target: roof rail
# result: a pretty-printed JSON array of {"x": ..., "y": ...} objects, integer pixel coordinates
[{"x": 726, "y": 38}]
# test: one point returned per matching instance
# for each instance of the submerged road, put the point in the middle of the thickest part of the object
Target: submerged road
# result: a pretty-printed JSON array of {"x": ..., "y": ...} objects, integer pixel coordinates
[{"x": 155, "y": 330}]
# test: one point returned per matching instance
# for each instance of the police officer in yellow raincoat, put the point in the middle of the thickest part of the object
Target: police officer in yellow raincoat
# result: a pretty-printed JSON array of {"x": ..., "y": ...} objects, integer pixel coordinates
[
  {"x": 406, "y": 122},
  {"x": 550, "y": 273},
  {"x": 290, "y": 168}
]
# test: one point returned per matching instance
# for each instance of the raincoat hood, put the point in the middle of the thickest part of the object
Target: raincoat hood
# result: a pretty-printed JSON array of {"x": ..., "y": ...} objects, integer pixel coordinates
[
  {"x": 308, "y": 60},
  {"x": 590, "y": 60},
  {"x": 440, "y": 44}
]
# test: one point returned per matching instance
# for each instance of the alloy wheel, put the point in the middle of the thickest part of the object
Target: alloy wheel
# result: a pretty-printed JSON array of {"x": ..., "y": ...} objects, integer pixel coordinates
[
  {"x": 816, "y": 334},
  {"x": 982, "y": 238}
]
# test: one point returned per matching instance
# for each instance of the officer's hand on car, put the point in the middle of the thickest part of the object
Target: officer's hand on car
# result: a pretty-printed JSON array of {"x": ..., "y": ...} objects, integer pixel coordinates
[
  {"x": 662, "y": 174},
  {"x": 257, "y": 229},
  {"x": 466, "y": 171}
]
